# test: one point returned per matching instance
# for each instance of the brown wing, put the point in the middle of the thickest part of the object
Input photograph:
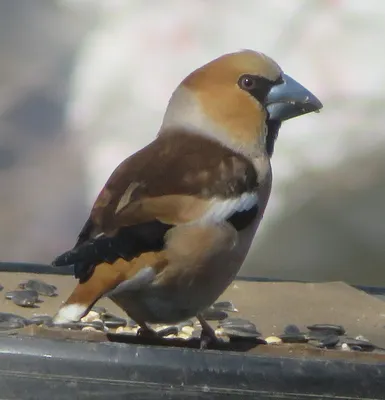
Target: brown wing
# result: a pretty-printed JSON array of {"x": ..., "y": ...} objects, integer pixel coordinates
[{"x": 171, "y": 181}]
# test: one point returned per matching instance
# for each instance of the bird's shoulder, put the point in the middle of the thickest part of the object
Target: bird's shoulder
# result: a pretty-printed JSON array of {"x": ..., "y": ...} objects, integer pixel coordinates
[{"x": 175, "y": 168}]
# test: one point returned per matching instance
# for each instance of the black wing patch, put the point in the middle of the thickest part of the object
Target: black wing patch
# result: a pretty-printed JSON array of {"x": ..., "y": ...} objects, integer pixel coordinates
[{"x": 129, "y": 243}]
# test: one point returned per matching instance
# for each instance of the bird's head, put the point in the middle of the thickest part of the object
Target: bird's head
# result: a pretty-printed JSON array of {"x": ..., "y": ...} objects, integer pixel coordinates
[{"x": 240, "y": 99}]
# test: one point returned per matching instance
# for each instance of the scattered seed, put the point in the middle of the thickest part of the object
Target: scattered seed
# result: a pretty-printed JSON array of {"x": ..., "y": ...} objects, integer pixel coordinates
[
  {"x": 319, "y": 335},
  {"x": 273, "y": 340},
  {"x": 89, "y": 329},
  {"x": 71, "y": 325},
  {"x": 240, "y": 325},
  {"x": 363, "y": 344},
  {"x": 167, "y": 330},
  {"x": 41, "y": 320},
  {"x": 183, "y": 336},
  {"x": 92, "y": 315},
  {"x": 12, "y": 293},
  {"x": 220, "y": 333},
  {"x": 113, "y": 324},
  {"x": 97, "y": 324},
  {"x": 23, "y": 301},
  {"x": 112, "y": 321},
  {"x": 23, "y": 298},
  {"x": 329, "y": 342},
  {"x": 79, "y": 325},
  {"x": 295, "y": 338},
  {"x": 127, "y": 330},
  {"x": 98, "y": 309},
  {"x": 224, "y": 306},
  {"x": 41, "y": 287},
  {"x": 356, "y": 348},
  {"x": 240, "y": 333},
  {"x": 363, "y": 338},
  {"x": 329, "y": 328},
  {"x": 210, "y": 314},
  {"x": 188, "y": 330},
  {"x": 345, "y": 347},
  {"x": 11, "y": 321},
  {"x": 187, "y": 323},
  {"x": 291, "y": 330}
]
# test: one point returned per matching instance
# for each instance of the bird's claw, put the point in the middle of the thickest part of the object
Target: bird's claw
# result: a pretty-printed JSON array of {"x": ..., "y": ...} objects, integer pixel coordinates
[
  {"x": 146, "y": 333},
  {"x": 209, "y": 338}
]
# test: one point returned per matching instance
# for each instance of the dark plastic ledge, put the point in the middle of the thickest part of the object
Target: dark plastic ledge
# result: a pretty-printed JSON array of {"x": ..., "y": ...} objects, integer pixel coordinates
[
  {"x": 46, "y": 369},
  {"x": 35, "y": 368}
]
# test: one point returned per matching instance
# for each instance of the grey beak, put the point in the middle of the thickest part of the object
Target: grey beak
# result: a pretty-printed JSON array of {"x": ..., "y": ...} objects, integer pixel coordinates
[{"x": 290, "y": 99}]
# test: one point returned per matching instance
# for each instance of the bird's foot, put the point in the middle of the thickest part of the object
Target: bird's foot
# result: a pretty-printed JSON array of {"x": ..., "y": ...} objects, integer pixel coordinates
[
  {"x": 146, "y": 332},
  {"x": 208, "y": 336}
]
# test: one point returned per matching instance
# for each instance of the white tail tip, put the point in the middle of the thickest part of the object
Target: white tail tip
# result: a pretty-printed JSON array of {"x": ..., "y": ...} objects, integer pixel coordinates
[{"x": 70, "y": 313}]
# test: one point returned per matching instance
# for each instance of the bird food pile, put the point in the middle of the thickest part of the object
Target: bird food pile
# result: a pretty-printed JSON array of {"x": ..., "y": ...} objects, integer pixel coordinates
[{"x": 222, "y": 316}]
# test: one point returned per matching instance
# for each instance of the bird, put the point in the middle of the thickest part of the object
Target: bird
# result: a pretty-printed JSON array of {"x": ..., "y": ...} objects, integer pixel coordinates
[{"x": 172, "y": 226}]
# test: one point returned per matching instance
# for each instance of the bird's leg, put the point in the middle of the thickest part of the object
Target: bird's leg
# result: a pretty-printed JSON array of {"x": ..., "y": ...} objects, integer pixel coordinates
[
  {"x": 145, "y": 331},
  {"x": 208, "y": 334}
]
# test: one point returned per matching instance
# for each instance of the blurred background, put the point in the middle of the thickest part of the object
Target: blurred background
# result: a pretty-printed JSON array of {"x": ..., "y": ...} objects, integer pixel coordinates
[{"x": 84, "y": 84}]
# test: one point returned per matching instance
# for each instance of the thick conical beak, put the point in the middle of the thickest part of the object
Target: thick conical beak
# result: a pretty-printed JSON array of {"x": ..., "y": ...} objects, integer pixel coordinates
[{"x": 290, "y": 99}]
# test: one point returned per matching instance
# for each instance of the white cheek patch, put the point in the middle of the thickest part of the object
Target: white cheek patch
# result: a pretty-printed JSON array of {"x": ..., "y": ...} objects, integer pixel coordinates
[
  {"x": 70, "y": 313},
  {"x": 221, "y": 210}
]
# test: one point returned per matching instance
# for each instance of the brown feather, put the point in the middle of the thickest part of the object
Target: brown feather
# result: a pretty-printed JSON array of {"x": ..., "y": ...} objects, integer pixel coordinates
[
  {"x": 107, "y": 276},
  {"x": 165, "y": 179}
]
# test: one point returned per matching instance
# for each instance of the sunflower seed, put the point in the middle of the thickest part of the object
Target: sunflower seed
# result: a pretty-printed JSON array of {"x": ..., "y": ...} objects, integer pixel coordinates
[
  {"x": 79, "y": 325},
  {"x": 127, "y": 330},
  {"x": 294, "y": 338},
  {"x": 112, "y": 321},
  {"x": 31, "y": 293},
  {"x": 329, "y": 328},
  {"x": 188, "y": 330},
  {"x": 92, "y": 315},
  {"x": 166, "y": 331},
  {"x": 41, "y": 287},
  {"x": 240, "y": 325},
  {"x": 273, "y": 340},
  {"x": 98, "y": 309},
  {"x": 329, "y": 342},
  {"x": 187, "y": 323},
  {"x": 291, "y": 330},
  {"x": 12, "y": 321},
  {"x": 41, "y": 320},
  {"x": 224, "y": 306},
  {"x": 89, "y": 329},
  {"x": 23, "y": 298},
  {"x": 363, "y": 344},
  {"x": 210, "y": 314}
]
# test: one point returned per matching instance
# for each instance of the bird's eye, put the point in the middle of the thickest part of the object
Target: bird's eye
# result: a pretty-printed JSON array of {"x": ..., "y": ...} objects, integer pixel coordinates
[
  {"x": 248, "y": 82},
  {"x": 255, "y": 85}
]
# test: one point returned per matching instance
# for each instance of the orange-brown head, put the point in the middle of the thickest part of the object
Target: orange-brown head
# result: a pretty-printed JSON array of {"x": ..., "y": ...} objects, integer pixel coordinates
[{"x": 233, "y": 97}]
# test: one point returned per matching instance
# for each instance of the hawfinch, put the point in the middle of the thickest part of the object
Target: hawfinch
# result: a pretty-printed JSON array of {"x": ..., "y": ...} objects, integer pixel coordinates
[{"x": 171, "y": 228}]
